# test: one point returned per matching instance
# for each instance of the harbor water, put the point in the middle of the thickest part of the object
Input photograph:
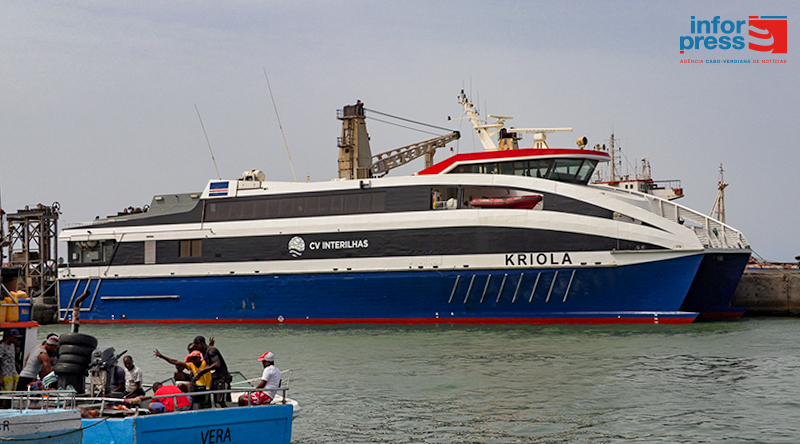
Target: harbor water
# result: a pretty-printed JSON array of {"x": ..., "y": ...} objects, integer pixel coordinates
[{"x": 735, "y": 381}]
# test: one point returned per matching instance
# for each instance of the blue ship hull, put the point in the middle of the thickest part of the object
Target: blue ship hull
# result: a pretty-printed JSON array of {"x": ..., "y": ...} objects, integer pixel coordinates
[
  {"x": 647, "y": 292},
  {"x": 715, "y": 283}
]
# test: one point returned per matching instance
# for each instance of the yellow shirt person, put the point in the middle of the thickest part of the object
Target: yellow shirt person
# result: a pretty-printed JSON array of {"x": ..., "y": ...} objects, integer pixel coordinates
[{"x": 192, "y": 365}]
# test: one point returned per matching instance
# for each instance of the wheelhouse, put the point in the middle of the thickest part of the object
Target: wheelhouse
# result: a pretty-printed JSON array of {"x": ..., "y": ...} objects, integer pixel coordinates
[{"x": 562, "y": 165}]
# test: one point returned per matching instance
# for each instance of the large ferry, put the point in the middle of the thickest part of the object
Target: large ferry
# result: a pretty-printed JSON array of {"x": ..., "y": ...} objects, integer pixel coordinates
[
  {"x": 501, "y": 236},
  {"x": 726, "y": 249}
]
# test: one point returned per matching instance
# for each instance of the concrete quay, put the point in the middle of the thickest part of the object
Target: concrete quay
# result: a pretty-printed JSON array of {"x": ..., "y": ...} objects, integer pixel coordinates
[{"x": 769, "y": 292}]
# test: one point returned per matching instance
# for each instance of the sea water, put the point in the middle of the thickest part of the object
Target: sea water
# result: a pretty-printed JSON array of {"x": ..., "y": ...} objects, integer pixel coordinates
[{"x": 734, "y": 381}]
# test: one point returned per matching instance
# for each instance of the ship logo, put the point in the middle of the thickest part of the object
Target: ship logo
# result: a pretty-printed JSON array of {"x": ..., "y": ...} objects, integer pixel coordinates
[{"x": 297, "y": 246}]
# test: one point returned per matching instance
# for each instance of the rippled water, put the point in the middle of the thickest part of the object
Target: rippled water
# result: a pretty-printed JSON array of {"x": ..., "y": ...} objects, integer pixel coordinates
[{"x": 714, "y": 382}]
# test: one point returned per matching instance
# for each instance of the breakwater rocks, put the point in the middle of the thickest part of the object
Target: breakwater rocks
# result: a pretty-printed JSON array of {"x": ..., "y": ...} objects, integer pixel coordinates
[{"x": 769, "y": 292}]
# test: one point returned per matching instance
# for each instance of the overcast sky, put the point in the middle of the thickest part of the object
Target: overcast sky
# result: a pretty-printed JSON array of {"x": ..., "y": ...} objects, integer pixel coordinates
[{"x": 98, "y": 98}]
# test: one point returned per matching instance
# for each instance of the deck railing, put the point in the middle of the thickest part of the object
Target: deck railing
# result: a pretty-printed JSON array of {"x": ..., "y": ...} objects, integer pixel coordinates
[
  {"x": 711, "y": 232},
  {"x": 41, "y": 400}
]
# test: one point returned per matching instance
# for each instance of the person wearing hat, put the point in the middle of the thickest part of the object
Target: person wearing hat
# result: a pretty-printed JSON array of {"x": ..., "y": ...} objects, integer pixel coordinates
[
  {"x": 193, "y": 363},
  {"x": 8, "y": 360},
  {"x": 220, "y": 378},
  {"x": 37, "y": 363},
  {"x": 270, "y": 379}
]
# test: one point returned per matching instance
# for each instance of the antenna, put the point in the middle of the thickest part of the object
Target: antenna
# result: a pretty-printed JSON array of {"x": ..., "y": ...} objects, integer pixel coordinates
[
  {"x": 279, "y": 124},
  {"x": 207, "y": 141}
]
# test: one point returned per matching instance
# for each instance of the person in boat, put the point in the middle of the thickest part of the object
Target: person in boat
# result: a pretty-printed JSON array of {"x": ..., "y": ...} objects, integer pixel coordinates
[
  {"x": 37, "y": 363},
  {"x": 194, "y": 363},
  {"x": 168, "y": 404},
  {"x": 9, "y": 368},
  {"x": 133, "y": 378},
  {"x": 270, "y": 379},
  {"x": 117, "y": 379},
  {"x": 215, "y": 363}
]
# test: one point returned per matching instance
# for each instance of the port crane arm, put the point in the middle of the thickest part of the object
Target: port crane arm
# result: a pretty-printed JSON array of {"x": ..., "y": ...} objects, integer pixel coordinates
[{"x": 388, "y": 160}]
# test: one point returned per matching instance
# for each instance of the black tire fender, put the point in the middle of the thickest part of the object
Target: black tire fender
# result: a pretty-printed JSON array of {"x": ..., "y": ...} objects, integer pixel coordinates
[
  {"x": 77, "y": 339},
  {"x": 82, "y": 361},
  {"x": 63, "y": 368},
  {"x": 79, "y": 350}
]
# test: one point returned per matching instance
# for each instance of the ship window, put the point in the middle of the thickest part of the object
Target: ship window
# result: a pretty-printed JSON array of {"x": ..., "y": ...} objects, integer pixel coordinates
[
  {"x": 507, "y": 168},
  {"x": 312, "y": 203},
  {"x": 539, "y": 168},
  {"x": 364, "y": 202},
  {"x": 521, "y": 168},
  {"x": 91, "y": 252},
  {"x": 444, "y": 198},
  {"x": 234, "y": 211},
  {"x": 337, "y": 204},
  {"x": 286, "y": 208},
  {"x": 378, "y": 201},
  {"x": 324, "y": 205},
  {"x": 248, "y": 209},
  {"x": 565, "y": 169},
  {"x": 586, "y": 171},
  {"x": 260, "y": 209},
  {"x": 351, "y": 203},
  {"x": 191, "y": 248},
  {"x": 273, "y": 208}
]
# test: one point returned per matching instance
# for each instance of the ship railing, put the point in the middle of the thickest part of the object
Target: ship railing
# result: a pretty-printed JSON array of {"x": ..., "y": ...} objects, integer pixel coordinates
[
  {"x": 106, "y": 405},
  {"x": 666, "y": 184},
  {"x": 711, "y": 232},
  {"x": 40, "y": 400}
]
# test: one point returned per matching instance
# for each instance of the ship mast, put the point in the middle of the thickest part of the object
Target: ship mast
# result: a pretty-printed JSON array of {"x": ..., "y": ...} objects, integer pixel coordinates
[
  {"x": 718, "y": 210},
  {"x": 614, "y": 159},
  {"x": 485, "y": 131}
]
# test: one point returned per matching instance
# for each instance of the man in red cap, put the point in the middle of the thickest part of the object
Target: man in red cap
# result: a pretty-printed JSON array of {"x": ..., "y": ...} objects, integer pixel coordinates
[{"x": 270, "y": 379}]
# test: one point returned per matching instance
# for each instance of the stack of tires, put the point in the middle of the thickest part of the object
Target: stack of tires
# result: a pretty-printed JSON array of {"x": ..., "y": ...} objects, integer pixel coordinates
[{"x": 74, "y": 355}]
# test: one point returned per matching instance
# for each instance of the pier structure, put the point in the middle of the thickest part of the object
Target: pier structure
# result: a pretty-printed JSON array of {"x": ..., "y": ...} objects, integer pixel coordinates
[
  {"x": 32, "y": 242},
  {"x": 769, "y": 290}
]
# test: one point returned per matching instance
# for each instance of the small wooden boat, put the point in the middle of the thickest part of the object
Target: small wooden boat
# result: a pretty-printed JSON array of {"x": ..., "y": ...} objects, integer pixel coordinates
[{"x": 526, "y": 202}]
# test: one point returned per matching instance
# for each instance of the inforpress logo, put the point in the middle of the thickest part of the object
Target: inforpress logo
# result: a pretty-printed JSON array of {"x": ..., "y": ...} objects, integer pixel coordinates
[
  {"x": 767, "y": 34},
  {"x": 769, "y": 28}
]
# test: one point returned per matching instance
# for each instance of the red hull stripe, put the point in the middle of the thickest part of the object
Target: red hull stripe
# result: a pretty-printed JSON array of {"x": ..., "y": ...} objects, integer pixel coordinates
[{"x": 679, "y": 319}]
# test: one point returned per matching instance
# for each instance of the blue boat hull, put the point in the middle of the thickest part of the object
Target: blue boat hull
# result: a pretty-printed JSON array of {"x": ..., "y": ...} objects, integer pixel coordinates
[
  {"x": 264, "y": 424},
  {"x": 646, "y": 292},
  {"x": 47, "y": 426},
  {"x": 715, "y": 283}
]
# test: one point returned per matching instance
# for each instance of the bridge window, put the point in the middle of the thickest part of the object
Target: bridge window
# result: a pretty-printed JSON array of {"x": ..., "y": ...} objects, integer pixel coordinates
[
  {"x": 191, "y": 248},
  {"x": 564, "y": 170}
]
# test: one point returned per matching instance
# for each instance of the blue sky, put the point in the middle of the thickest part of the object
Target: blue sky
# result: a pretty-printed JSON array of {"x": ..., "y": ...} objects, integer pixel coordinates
[{"x": 98, "y": 98}]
